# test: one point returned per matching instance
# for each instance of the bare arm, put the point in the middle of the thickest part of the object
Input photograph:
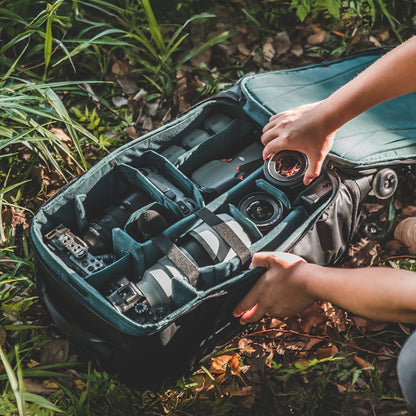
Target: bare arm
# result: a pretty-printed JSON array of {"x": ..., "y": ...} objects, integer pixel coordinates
[
  {"x": 310, "y": 128},
  {"x": 290, "y": 285}
]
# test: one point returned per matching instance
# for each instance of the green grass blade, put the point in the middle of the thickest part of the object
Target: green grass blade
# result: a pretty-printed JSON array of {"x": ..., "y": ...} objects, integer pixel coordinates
[
  {"x": 180, "y": 29},
  {"x": 154, "y": 27},
  {"x": 41, "y": 401},
  {"x": 14, "y": 384},
  {"x": 213, "y": 41}
]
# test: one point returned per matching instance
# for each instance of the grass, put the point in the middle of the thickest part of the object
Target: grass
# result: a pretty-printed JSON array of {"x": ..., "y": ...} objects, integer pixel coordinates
[{"x": 51, "y": 130}]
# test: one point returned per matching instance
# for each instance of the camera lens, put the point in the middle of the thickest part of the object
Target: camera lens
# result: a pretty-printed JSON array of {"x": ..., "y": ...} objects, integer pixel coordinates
[
  {"x": 263, "y": 209},
  {"x": 286, "y": 168}
]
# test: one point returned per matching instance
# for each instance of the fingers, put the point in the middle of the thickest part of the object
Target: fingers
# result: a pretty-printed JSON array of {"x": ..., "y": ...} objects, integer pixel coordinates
[
  {"x": 253, "y": 315},
  {"x": 313, "y": 171},
  {"x": 248, "y": 302}
]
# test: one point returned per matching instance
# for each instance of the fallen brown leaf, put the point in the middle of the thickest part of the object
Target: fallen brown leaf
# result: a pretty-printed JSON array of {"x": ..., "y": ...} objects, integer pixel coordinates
[
  {"x": 317, "y": 37},
  {"x": 365, "y": 365},
  {"x": 326, "y": 352},
  {"x": 55, "y": 352}
]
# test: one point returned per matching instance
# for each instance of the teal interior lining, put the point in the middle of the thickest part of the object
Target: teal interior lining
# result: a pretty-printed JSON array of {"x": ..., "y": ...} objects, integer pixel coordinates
[
  {"x": 134, "y": 176},
  {"x": 223, "y": 144},
  {"x": 384, "y": 133},
  {"x": 171, "y": 173},
  {"x": 110, "y": 181},
  {"x": 119, "y": 268},
  {"x": 276, "y": 192}
]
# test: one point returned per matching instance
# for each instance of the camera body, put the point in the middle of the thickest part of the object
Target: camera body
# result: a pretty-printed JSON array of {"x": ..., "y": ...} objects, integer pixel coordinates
[
  {"x": 99, "y": 231},
  {"x": 187, "y": 205}
]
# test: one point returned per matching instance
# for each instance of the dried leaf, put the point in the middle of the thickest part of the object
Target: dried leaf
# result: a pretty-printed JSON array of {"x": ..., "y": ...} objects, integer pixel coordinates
[
  {"x": 393, "y": 248},
  {"x": 326, "y": 352},
  {"x": 127, "y": 85},
  {"x": 384, "y": 35},
  {"x": 60, "y": 134},
  {"x": 268, "y": 50},
  {"x": 147, "y": 124},
  {"x": 151, "y": 108},
  {"x": 119, "y": 68},
  {"x": 281, "y": 43},
  {"x": 55, "y": 352},
  {"x": 131, "y": 132},
  {"x": 79, "y": 385},
  {"x": 312, "y": 317},
  {"x": 32, "y": 386},
  {"x": 202, "y": 57},
  {"x": 374, "y": 41},
  {"x": 297, "y": 50},
  {"x": 317, "y": 37},
  {"x": 119, "y": 101},
  {"x": 365, "y": 365},
  {"x": 360, "y": 322},
  {"x": 141, "y": 95},
  {"x": 311, "y": 343}
]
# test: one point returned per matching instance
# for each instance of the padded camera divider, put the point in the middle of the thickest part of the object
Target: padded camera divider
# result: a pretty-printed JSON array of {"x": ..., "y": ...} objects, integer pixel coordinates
[
  {"x": 133, "y": 175},
  {"x": 80, "y": 211},
  {"x": 171, "y": 173},
  {"x": 182, "y": 292},
  {"x": 124, "y": 244},
  {"x": 224, "y": 143},
  {"x": 120, "y": 267},
  {"x": 272, "y": 190}
]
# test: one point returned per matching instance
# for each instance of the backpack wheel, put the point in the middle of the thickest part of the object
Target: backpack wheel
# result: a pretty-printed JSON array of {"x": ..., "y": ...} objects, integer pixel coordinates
[{"x": 385, "y": 183}]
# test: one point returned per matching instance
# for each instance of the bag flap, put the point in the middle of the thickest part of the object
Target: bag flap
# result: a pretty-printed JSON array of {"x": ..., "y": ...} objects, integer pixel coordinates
[{"x": 383, "y": 134}]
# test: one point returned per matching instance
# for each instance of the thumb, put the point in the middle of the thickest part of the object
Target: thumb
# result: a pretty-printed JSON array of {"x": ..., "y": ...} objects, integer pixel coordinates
[
  {"x": 313, "y": 171},
  {"x": 262, "y": 259}
]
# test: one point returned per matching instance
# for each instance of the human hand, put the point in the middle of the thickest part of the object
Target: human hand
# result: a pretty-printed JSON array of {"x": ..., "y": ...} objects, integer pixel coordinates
[
  {"x": 281, "y": 291},
  {"x": 307, "y": 129}
]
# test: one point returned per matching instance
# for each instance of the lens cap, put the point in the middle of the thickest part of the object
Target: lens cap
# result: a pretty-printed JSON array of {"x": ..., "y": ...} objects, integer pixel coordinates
[
  {"x": 286, "y": 168},
  {"x": 262, "y": 209}
]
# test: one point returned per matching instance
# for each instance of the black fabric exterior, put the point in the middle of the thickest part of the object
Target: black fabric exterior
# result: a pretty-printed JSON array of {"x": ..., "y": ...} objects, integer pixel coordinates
[
  {"x": 226, "y": 233},
  {"x": 327, "y": 239},
  {"x": 177, "y": 347},
  {"x": 178, "y": 258}
]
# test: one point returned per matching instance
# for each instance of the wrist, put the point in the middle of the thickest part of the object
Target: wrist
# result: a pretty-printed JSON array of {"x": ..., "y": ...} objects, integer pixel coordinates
[{"x": 305, "y": 275}]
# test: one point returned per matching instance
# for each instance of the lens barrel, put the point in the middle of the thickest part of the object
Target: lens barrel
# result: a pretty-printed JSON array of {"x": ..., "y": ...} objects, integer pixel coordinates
[
  {"x": 286, "y": 168},
  {"x": 264, "y": 210}
]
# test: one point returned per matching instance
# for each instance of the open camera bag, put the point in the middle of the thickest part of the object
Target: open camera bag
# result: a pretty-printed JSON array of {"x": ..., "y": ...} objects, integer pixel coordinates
[{"x": 200, "y": 318}]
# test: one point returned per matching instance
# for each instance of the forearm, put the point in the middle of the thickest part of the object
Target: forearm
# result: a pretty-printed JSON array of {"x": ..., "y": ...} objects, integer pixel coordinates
[
  {"x": 392, "y": 75},
  {"x": 378, "y": 293}
]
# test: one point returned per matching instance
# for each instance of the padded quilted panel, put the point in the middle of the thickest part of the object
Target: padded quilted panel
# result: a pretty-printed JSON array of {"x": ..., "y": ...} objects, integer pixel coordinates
[{"x": 383, "y": 134}]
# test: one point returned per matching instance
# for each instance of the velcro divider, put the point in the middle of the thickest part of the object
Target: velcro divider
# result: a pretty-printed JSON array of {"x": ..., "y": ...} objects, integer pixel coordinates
[
  {"x": 226, "y": 233},
  {"x": 178, "y": 258}
]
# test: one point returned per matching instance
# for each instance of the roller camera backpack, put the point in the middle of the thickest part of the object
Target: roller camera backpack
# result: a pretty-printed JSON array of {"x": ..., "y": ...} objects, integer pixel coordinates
[{"x": 142, "y": 259}]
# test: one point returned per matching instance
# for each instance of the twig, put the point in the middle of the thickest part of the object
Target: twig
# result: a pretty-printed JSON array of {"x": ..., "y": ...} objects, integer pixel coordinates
[
  {"x": 323, "y": 339},
  {"x": 403, "y": 256}
]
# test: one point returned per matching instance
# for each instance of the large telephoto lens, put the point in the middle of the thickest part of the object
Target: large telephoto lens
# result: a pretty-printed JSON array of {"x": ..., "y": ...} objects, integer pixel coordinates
[
  {"x": 286, "y": 168},
  {"x": 262, "y": 209}
]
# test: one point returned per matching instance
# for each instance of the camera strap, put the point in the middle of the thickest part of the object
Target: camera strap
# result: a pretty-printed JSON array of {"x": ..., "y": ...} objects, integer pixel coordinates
[
  {"x": 178, "y": 258},
  {"x": 226, "y": 233}
]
